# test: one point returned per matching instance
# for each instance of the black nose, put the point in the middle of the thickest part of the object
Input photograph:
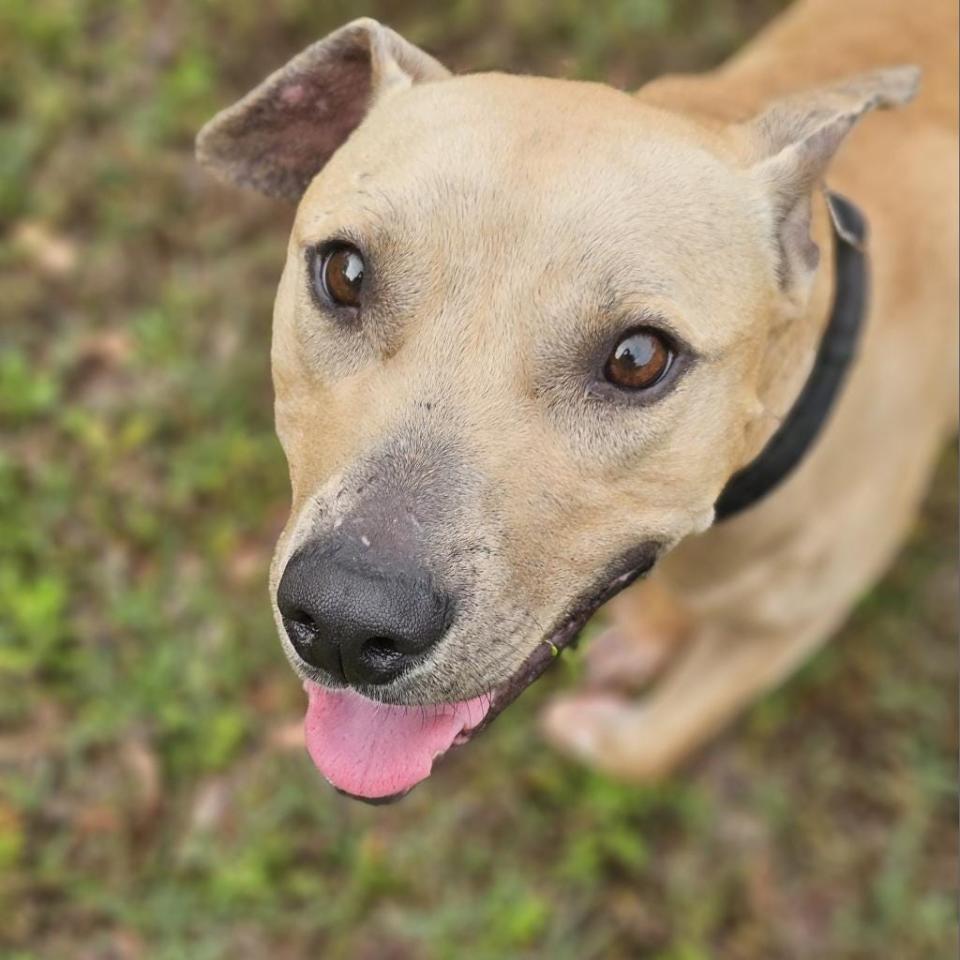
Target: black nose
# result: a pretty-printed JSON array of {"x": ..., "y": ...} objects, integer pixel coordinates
[{"x": 361, "y": 624}]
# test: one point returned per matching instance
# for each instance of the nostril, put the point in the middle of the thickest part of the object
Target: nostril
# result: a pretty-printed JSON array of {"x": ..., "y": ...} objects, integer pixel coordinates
[
  {"x": 382, "y": 654},
  {"x": 312, "y": 645},
  {"x": 382, "y": 645},
  {"x": 303, "y": 634},
  {"x": 300, "y": 630},
  {"x": 301, "y": 617}
]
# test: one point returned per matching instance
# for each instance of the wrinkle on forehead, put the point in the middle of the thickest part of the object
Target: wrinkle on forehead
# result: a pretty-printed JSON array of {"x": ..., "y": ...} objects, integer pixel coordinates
[{"x": 525, "y": 131}]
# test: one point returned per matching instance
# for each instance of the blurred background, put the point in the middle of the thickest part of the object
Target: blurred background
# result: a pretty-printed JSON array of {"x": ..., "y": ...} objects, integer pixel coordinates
[{"x": 155, "y": 799}]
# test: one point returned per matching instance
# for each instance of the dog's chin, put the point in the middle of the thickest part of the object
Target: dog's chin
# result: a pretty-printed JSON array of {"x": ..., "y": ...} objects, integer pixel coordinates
[{"x": 377, "y": 752}]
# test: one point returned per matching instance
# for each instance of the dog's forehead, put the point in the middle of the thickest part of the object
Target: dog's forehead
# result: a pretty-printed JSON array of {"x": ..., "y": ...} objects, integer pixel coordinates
[{"x": 534, "y": 152}]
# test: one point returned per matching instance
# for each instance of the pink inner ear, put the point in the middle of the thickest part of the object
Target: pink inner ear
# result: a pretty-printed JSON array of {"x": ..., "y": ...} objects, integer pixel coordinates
[
  {"x": 314, "y": 114},
  {"x": 293, "y": 94},
  {"x": 292, "y": 125},
  {"x": 314, "y": 120}
]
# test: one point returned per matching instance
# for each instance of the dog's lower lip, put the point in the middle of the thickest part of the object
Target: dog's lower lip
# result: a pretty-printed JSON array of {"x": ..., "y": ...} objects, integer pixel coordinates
[{"x": 564, "y": 636}]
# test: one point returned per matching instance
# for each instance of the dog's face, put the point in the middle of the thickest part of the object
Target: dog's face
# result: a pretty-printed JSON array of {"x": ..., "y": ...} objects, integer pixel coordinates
[
  {"x": 521, "y": 341},
  {"x": 467, "y": 397}
]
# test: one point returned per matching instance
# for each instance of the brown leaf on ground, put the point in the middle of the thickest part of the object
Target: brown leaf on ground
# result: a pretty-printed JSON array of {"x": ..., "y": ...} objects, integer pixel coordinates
[
  {"x": 141, "y": 762},
  {"x": 51, "y": 253}
]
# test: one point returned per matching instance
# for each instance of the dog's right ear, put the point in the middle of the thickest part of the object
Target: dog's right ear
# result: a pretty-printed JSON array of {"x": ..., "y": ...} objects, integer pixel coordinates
[
  {"x": 281, "y": 134},
  {"x": 792, "y": 143}
]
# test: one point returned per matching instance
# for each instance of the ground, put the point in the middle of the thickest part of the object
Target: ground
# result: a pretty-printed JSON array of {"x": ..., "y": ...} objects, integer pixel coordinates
[{"x": 155, "y": 800}]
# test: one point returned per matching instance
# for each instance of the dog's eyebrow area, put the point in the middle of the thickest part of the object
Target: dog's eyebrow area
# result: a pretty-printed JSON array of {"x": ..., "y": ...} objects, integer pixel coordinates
[
  {"x": 601, "y": 297},
  {"x": 363, "y": 228}
]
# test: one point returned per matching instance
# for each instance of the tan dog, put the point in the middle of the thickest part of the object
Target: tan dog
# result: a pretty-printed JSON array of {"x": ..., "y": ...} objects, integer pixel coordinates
[{"x": 527, "y": 331}]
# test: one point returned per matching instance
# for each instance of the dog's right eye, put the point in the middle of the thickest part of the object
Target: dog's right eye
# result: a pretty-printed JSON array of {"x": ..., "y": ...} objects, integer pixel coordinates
[{"x": 338, "y": 274}]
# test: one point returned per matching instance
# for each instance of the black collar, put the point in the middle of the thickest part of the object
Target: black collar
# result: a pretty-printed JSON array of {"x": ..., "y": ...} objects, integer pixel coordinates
[{"x": 800, "y": 428}]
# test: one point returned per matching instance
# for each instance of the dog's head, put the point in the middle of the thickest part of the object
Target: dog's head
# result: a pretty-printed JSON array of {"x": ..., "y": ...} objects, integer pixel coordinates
[{"x": 526, "y": 331}]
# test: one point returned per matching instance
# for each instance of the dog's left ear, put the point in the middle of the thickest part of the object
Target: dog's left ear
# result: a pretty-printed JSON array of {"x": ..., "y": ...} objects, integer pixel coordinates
[
  {"x": 281, "y": 134},
  {"x": 791, "y": 144}
]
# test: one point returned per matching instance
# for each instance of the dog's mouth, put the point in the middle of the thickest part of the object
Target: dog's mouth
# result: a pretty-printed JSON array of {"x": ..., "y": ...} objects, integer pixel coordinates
[{"x": 377, "y": 752}]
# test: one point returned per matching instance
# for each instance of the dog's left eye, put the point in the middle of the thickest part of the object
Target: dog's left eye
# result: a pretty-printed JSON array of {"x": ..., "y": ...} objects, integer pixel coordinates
[
  {"x": 640, "y": 360},
  {"x": 338, "y": 274}
]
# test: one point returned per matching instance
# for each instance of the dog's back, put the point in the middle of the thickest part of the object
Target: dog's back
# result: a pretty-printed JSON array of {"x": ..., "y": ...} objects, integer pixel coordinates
[{"x": 817, "y": 41}]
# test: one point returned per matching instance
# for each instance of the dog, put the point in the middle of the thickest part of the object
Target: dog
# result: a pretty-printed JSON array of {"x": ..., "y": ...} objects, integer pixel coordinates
[{"x": 539, "y": 343}]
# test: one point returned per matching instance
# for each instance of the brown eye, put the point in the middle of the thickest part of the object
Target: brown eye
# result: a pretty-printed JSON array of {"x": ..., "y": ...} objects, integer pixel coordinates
[
  {"x": 639, "y": 360},
  {"x": 341, "y": 275}
]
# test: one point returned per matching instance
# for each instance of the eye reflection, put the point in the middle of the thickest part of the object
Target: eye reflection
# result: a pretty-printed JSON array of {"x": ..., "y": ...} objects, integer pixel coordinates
[
  {"x": 639, "y": 360},
  {"x": 338, "y": 275}
]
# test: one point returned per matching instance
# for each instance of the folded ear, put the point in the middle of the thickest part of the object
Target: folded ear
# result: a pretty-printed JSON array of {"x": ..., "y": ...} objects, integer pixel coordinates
[
  {"x": 282, "y": 133},
  {"x": 792, "y": 142}
]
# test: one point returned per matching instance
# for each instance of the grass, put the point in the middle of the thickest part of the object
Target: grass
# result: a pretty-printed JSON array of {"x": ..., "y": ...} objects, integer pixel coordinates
[{"x": 153, "y": 803}]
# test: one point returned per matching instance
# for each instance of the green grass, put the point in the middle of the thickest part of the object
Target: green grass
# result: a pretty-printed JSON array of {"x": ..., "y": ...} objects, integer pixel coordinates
[{"x": 150, "y": 805}]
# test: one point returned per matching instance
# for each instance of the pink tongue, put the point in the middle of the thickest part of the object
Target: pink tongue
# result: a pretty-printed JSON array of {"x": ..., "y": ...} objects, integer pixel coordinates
[{"x": 375, "y": 749}]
